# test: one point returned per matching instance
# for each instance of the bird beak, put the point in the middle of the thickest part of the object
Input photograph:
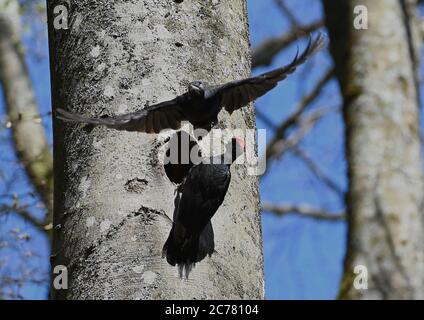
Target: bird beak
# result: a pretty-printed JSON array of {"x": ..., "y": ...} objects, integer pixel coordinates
[{"x": 195, "y": 88}]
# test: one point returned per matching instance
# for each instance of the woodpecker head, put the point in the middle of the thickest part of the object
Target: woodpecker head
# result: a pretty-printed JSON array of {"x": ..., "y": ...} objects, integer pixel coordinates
[{"x": 196, "y": 88}]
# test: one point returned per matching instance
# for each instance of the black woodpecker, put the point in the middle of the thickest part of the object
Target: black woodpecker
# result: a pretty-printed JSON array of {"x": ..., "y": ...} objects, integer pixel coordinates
[{"x": 198, "y": 198}]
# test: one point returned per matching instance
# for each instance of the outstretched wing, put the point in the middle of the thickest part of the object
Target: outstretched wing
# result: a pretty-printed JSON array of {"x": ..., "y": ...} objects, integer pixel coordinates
[
  {"x": 239, "y": 93},
  {"x": 164, "y": 115}
]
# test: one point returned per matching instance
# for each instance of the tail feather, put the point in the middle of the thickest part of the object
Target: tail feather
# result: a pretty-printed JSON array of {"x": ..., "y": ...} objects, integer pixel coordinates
[
  {"x": 182, "y": 252},
  {"x": 183, "y": 248}
]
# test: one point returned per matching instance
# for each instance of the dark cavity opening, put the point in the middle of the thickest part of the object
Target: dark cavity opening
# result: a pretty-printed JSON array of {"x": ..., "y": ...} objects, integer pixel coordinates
[{"x": 178, "y": 156}]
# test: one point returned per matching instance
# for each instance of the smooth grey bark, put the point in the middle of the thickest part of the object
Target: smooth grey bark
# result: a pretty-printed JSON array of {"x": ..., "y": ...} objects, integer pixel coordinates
[
  {"x": 112, "y": 196},
  {"x": 376, "y": 71},
  {"x": 30, "y": 141}
]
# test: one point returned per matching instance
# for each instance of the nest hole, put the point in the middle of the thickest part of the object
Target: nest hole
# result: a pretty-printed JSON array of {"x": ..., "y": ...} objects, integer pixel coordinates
[{"x": 181, "y": 148}]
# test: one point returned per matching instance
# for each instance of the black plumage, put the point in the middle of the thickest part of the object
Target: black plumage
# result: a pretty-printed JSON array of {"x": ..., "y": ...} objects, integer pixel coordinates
[
  {"x": 198, "y": 198},
  {"x": 201, "y": 104}
]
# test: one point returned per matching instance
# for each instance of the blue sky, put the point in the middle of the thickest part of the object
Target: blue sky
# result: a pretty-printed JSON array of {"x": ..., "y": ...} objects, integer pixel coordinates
[{"x": 303, "y": 257}]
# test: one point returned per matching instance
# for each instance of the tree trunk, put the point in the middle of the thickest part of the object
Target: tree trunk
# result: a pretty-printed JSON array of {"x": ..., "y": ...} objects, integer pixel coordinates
[
  {"x": 376, "y": 71},
  {"x": 30, "y": 140},
  {"x": 112, "y": 197}
]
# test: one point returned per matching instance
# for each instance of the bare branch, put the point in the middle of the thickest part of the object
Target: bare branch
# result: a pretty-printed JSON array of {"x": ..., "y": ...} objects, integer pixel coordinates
[
  {"x": 305, "y": 124},
  {"x": 260, "y": 115},
  {"x": 24, "y": 214},
  {"x": 286, "y": 11},
  {"x": 265, "y": 52},
  {"x": 303, "y": 210},
  {"x": 316, "y": 170},
  {"x": 293, "y": 119},
  {"x": 305, "y": 103}
]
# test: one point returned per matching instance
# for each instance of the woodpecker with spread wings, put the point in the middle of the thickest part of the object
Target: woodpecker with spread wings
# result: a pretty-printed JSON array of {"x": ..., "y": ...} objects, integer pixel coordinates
[{"x": 201, "y": 104}]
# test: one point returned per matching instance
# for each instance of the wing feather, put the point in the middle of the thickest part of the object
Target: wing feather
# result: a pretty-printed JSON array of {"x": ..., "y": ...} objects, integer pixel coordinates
[
  {"x": 239, "y": 93},
  {"x": 171, "y": 120},
  {"x": 149, "y": 123},
  {"x": 142, "y": 125},
  {"x": 156, "y": 122},
  {"x": 150, "y": 119},
  {"x": 164, "y": 120}
]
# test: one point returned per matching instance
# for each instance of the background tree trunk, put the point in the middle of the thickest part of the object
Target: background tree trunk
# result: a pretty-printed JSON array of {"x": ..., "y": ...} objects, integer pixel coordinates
[
  {"x": 30, "y": 141},
  {"x": 376, "y": 70},
  {"x": 112, "y": 195}
]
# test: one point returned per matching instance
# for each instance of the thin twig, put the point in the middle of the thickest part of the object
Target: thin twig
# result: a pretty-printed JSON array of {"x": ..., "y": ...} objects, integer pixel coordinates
[
  {"x": 286, "y": 11},
  {"x": 316, "y": 170},
  {"x": 24, "y": 214}
]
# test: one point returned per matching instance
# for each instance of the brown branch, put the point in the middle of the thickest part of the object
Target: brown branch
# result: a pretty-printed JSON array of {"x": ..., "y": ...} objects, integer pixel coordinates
[
  {"x": 265, "y": 52},
  {"x": 303, "y": 210}
]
